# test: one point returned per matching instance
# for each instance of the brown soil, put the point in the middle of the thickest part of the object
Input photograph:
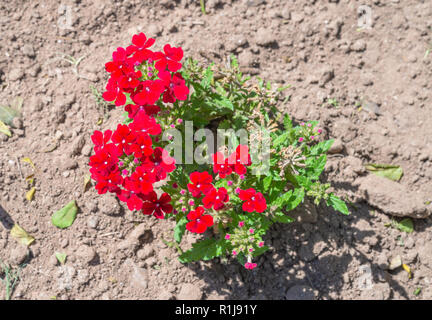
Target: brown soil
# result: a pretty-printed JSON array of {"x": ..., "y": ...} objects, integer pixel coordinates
[{"x": 314, "y": 46}]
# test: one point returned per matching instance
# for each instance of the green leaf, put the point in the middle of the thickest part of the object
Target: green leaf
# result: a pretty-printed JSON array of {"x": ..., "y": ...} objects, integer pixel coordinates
[
  {"x": 208, "y": 77},
  {"x": 287, "y": 122},
  {"x": 392, "y": 172},
  {"x": 276, "y": 189},
  {"x": 281, "y": 217},
  {"x": 7, "y": 114},
  {"x": 203, "y": 250},
  {"x": 224, "y": 102},
  {"x": 281, "y": 139},
  {"x": 64, "y": 217},
  {"x": 337, "y": 204},
  {"x": 295, "y": 199},
  {"x": 406, "y": 225},
  {"x": 321, "y": 147},
  {"x": 267, "y": 182},
  {"x": 315, "y": 167},
  {"x": 61, "y": 257},
  {"x": 180, "y": 229}
]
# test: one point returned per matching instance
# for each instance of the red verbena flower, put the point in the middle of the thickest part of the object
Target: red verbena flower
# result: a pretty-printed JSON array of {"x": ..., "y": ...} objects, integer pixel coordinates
[
  {"x": 142, "y": 146},
  {"x": 110, "y": 182},
  {"x": 250, "y": 265},
  {"x": 240, "y": 159},
  {"x": 145, "y": 124},
  {"x": 140, "y": 181},
  {"x": 123, "y": 137},
  {"x": 216, "y": 198},
  {"x": 100, "y": 139},
  {"x": 254, "y": 201},
  {"x": 114, "y": 93},
  {"x": 156, "y": 206},
  {"x": 201, "y": 183},
  {"x": 199, "y": 222},
  {"x": 169, "y": 59},
  {"x": 221, "y": 165},
  {"x": 175, "y": 87},
  {"x": 133, "y": 110},
  {"x": 160, "y": 163},
  {"x": 148, "y": 92}
]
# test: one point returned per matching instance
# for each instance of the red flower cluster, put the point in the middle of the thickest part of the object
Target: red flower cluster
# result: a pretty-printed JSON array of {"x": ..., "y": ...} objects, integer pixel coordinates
[
  {"x": 145, "y": 76},
  {"x": 201, "y": 186},
  {"x": 126, "y": 164},
  {"x": 199, "y": 222},
  {"x": 236, "y": 162},
  {"x": 125, "y": 161},
  {"x": 254, "y": 201}
]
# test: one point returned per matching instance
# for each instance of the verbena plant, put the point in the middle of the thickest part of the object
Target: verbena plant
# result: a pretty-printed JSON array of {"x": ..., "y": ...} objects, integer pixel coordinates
[{"x": 231, "y": 194}]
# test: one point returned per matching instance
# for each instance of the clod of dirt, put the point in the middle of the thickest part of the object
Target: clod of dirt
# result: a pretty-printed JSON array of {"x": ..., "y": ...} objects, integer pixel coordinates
[
  {"x": 109, "y": 205},
  {"x": 139, "y": 278},
  {"x": 395, "y": 263},
  {"x": 16, "y": 74},
  {"x": 359, "y": 46},
  {"x": 145, "y": 252},
  {"x": 266, "y": 38},
  {"x": 425, "y": 254},
  {"x": 337, "y": 147},
  {"x": 139, "y": 235},
  {"x": 18, "y": 255},
  {"x": 189, "y": 291},
  {"x": 86, "y": 150},
  {"x": 86, "y": 254},
  {"x": 165, "y": 295},
  {"x": 93, "y": 222},
  {"x": 300, "y": 292},
  {"x": 393, "y": 198},
  {"x": 28, "y": 50},
  {"x": 77, "y": 145},
  {"x": 380, "y": 291},
  {"x": 326, "y": 74}
]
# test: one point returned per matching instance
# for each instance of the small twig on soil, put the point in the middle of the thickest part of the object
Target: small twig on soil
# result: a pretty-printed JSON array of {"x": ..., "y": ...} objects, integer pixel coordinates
[
  {"x": 19, "y": 167},
  {"x": 109, "y": 234}
]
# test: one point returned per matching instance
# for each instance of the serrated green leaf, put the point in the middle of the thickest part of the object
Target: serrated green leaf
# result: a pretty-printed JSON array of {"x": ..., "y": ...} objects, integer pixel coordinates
[
  {"x": 180, "y": 229},
  {"x": 337, "y": 204},
  {"x": 388, "y": 171},
  {"x": 281, "y": 217},
  {"x": 207, "y": 78},
  {"x": 295, "y": 199},
  {"x": 64, "y": 217},
  {"x": 287, "y": 122},
  {"x": 321, "y": 147},
  {"x": 405, "y": 225},
  {"x": 314, "y": 167},
  {"x": 267, "y": 182},
  {"x": 203, "y": 250},
  {"x": 280, "y": 139}
]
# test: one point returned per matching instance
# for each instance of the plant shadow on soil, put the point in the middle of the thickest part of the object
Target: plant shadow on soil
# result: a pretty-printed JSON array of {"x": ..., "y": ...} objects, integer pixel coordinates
[
  {"x": 326, "y": 256},
  {"x": 5, "y": 219}
]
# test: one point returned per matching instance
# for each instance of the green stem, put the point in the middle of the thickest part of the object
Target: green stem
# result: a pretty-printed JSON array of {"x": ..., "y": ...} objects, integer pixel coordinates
[{"x": 203, "y": 10}]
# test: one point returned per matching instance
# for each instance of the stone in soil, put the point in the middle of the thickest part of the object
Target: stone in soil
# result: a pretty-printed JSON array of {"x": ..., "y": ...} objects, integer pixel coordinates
[
  {"x": 189, "y": 291},
  {"x": 393, "y": 198}
]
